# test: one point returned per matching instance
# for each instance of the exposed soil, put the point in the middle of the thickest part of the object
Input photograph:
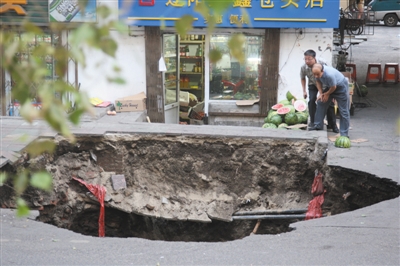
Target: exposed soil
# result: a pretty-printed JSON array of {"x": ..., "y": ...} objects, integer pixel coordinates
[{"x": 188, "y": 188}]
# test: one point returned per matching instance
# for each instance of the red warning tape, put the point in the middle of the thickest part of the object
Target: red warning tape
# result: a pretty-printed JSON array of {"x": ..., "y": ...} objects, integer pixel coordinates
[
  {"x": 314, "y": 209},
  {"x": 99, "y": 192}
]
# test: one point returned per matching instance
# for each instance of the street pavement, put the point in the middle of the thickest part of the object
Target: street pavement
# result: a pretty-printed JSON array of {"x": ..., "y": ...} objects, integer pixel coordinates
[{"x": 367, "y": 236}]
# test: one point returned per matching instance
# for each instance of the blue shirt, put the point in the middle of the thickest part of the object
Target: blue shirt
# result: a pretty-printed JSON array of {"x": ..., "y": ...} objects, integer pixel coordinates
[{"x": 332, "y": 77}]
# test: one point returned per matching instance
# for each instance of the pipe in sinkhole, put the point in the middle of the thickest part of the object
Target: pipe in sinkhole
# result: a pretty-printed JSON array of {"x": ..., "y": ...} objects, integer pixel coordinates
[
  {"x": 242, "y": 213},
  {"x": 270, "y": 217}
]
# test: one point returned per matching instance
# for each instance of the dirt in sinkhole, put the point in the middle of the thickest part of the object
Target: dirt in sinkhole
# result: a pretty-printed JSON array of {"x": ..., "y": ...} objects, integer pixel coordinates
[{"x": 187, "y": 189}]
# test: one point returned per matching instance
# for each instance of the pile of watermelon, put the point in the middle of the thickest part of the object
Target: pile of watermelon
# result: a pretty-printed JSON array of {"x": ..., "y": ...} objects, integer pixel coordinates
[{"x": 288, "y": 112}]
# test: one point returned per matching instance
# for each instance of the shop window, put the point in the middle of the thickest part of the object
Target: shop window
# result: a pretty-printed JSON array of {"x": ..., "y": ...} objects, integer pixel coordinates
[
  {"x": 30, "y": 42},
  {"x": 231, "y": 79},
  {"x": 33, "y": 41}
]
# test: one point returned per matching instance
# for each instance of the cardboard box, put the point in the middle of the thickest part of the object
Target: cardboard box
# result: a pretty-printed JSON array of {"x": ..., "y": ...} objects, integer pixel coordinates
[
  {"x": 134, "y": 103},
  {"x": 197, "y": 111},
  {"x": 196, "y": 122},
  {"x": 351, "y": 88},
  {"x": 198, "y": 107},
  {"x": 184, "y": 98},
  {"x": 183, "y": 115},
  {"x": 348, "y": 75}
]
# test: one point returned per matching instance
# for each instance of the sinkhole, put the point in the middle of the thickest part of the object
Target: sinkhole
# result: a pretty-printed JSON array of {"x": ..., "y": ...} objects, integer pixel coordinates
[{"x": 192, "y": 188}]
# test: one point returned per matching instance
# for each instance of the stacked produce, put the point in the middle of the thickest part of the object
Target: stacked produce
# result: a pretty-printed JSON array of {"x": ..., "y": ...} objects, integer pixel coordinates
[{"x": 286, "y": 113}]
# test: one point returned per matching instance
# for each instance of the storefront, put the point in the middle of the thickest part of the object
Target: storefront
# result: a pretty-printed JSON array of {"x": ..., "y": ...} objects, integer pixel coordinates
[
  {"x": 190, "y": 72},
  {"x": 232, "y": 92},
  {"x": 276, "y": 36}
]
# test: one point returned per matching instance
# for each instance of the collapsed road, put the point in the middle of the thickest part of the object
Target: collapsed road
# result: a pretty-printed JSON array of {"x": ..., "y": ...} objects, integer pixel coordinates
[{"x": 192, "y": 187}]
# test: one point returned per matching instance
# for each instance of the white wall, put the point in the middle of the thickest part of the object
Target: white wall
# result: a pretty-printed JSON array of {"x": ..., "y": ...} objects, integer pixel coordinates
[
  {"x": 292, "y": 48},
  {"x": 130, "y": 58}
]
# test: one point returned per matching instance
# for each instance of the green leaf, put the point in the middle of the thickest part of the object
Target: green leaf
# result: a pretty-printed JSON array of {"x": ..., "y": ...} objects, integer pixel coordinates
[
  {"x": 219, "y": 6},
  {"x": 56, "y": 117},
  {"x": 82, "y": 5},
  {"x": 103, "y": 11},
  {"x": 20, "y": 183},
  {"x": 40, "y": 146},
  {"x": 215, "y": 55},
  {"x": 108, "y": 46},
  {"x": 75, "y": 116},
  {"x": 28, "y": 112},
  {"x": 84, "y": 33},
  {"x": 236, "y": 44},
  {"x": 3, "y": 178},
  {"x": 32, "y": 28},
  {"x": 42, "y": 180},
  {"x": 119, "y": 26},
  {"x": 117, "y": 80},
  {"x": 117, "y": 69},
  {"x": 22, "y": 208},
  {"x": 202, "y": 9},
  {"x": 184, "y": 24}
]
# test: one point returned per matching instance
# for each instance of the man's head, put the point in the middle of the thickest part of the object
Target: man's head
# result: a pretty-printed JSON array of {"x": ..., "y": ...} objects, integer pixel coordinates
[
  {"x": 309, "y": 57},
  {"x": 317, "y": 70}
]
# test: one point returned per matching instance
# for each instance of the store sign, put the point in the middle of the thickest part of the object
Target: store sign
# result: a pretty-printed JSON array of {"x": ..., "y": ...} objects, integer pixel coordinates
[
  {"x": 13, "y": 12},
  {"x": 260, "y": 13},
  {"x": 69, "y": 11},
  {"x": 13, "y": 5}
]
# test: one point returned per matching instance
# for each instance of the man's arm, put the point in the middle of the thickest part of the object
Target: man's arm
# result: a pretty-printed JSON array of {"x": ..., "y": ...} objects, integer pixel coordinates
[
  {"x": 319, "y": 87},
  {"x": 303, "y": 85},
  {"x": 325, "y": 95},
  {"x": 303, "y": 80}
]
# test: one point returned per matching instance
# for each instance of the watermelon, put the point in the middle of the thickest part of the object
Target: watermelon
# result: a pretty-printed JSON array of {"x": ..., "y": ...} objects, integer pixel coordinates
[
  {"x": 285, "y": 102},
  {"x": 343, "y": 142},
  {"x": 283, "y": 125},
  {"x": 283, "y": 110},
  {"x": 301, "y": 99},
  {"x": 269, "y": 125},
  {"x": 291, "y": 107},
  {"x": 276, "y": 120},
  {"x": 363, "y": 91},
  {"x": 300, "y": 106},
  {"x": 291, "y": 119},
  {"x": 289, "y": 96},
  {"x": 299, "y": 117},
  {"x": 271, "y": 111},
  {"x": 303, "y": 117},
  {"x": 277, "y": 106},
  {"x": 270, "y": 114}
]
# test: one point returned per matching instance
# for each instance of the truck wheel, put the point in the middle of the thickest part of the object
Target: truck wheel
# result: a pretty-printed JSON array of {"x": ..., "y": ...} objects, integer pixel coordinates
[{"x": 390, "y": 20}]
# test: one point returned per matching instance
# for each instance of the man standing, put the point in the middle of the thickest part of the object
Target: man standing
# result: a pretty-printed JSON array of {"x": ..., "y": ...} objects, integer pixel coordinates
[
  {"x": 305, "y": 71},
  {"x": 337, "y": 88}
]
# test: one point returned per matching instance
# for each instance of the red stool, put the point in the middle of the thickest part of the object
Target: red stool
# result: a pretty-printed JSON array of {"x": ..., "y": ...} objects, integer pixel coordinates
[
  {"x": 374, "y": 77},
  {"x": 234, "y": 86},
  {"x": 393, "y": 77},
  {"x": 353, "y": 71}
]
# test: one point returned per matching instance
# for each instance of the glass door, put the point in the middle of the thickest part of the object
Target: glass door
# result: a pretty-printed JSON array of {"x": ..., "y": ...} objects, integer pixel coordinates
[{"x": 170, "y": 79}]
